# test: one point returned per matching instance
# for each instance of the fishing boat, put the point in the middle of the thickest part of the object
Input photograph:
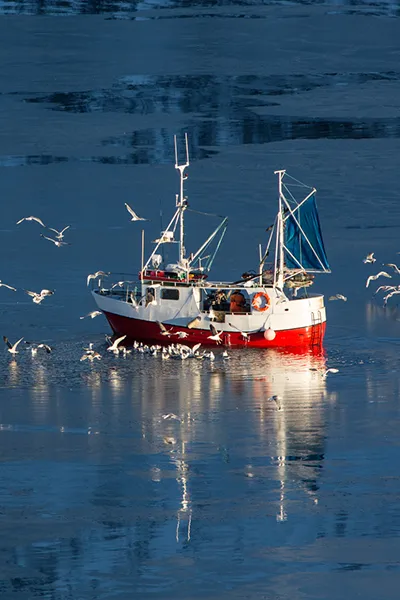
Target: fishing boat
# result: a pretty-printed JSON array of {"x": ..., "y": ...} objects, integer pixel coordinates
[{"x": 270, "y": 306}]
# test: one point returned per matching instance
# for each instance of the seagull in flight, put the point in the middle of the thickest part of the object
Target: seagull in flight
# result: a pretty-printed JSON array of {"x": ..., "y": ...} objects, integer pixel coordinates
[
  {"x": 12, "y": 348},
  {"x": 393, "y": 293},
  {"x": 134, "y": 216},
  {"x": 120, "y": 284},
  {"x": 92, "y": 315},
  {"x": 385, "y": 288},
  {"x": 133, "y": 301},
  {"x": 58, "y": 243},
  {"x": 373, "y": 277},
  {"x": 395, "y": 267},
  {"x": 38, "y": 297},
  {"x": 171, "y": 416},
  {"x": 169, "y": 440},
  {"x": 244, "y": 334},
  {"x": 8, "y": 286},
  {"x": 324, "y": 374},
  {"x": 114, "y": 346},
  {"x": 182, "y": 334},
  {"x": 369, "y": 258},
  {"x": 164, "y": 330},
  {"x": 331, "y": 370},
  {"x": 59, "y": 234},
  {"x": 95, "y": 275},
  {"x": 32, "y": 219},
  {"x": 35, "y": 347},
  {"x": 338, "y": 297},
  {"x": 216, "y": 335}
]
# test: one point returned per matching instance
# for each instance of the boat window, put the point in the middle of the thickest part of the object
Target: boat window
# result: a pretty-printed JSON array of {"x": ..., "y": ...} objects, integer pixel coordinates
[{"x": 170, "y": 294}]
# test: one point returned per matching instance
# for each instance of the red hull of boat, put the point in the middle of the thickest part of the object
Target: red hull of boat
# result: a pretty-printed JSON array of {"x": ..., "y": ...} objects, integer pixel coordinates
[{"x": 149, "y": 333}]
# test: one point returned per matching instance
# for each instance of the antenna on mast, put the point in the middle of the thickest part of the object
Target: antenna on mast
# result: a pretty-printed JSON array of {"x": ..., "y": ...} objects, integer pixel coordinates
[
  {"x": 279, "y": 257},
  {"x": 181, "y": 200}
]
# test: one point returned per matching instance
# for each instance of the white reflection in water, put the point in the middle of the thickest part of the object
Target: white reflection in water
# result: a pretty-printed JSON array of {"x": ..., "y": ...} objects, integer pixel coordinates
[
  {"x": 209, "y": 400},
  {"x": 115, "y": 381},
  {"x": 13, "y": 372},
  {"x": 40, "y": 388},
  {"x": 184, "y": 512}
]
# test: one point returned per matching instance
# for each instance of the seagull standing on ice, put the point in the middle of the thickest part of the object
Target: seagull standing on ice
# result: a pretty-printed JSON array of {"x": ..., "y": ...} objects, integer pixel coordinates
[
  {"x": 58, "y": 243},
  {"x": 373, "y": 277},
  {"x": 90, "y": 355},
  {"x": 369, "y": 258},
  {"x": 8, "y": 286},
  {"x": 12, "y": 348},
  {"x": 59, "y": 234},
  {"x": 134, "y": 216},
  {"x": 32, "y": 219}
]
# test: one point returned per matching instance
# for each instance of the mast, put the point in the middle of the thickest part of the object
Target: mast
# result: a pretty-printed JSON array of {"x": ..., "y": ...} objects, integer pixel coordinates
[
  {"x": 181, "y": 201},
  {"x": 279, "y": 257}
]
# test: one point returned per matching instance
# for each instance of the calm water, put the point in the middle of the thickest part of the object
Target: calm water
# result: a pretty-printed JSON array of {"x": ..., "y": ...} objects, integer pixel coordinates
[{"x": 251, "y": 500}]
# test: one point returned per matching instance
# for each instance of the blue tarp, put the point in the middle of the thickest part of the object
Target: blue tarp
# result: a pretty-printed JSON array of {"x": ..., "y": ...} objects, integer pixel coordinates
[{"x": 308, "y": 219}]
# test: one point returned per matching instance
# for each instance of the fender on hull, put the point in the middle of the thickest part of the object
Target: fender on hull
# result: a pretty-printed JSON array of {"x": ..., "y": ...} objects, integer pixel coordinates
[{"x": 149, "y": 332}]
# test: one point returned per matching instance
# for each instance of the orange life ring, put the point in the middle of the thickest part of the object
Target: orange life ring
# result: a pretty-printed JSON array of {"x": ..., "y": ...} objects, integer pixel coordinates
[{"x": 257, "y": 304}]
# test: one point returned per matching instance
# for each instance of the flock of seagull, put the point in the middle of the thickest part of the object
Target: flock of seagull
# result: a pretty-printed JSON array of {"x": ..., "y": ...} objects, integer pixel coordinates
[
  {"x": 175, "y": 351},
  {"x": 179, "y": 351},
  {"x": 390, "y": 290}
]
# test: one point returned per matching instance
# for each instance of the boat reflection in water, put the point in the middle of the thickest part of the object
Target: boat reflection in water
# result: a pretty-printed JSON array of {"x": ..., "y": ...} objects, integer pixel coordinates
[
  {"x": 129, "y": 502},
  {"x": 229, "y": 424}
]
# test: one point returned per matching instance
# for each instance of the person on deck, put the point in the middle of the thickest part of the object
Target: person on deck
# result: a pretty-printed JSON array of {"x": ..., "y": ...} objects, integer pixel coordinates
[{"x": 237, "y": 302}]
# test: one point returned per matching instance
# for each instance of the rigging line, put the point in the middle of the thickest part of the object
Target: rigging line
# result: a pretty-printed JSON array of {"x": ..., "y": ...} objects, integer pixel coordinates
[
  {"x": 206, "y": 214},
  {"x": 209, "y": 240},
  {"x": 297, "y": 180},
  {"x": 211, "y": 260}
]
